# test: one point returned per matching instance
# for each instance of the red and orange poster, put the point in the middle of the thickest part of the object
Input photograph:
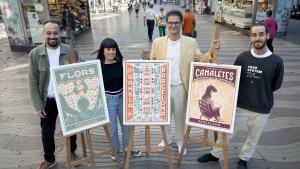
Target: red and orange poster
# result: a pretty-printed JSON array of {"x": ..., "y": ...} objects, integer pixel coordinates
[
  {"x": 212, "y": 98},
  {"x": 146, "y": 92}
]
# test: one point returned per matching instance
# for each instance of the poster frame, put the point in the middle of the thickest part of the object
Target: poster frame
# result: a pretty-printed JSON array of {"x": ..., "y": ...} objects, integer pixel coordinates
[
  {"x": 237, "y": 80},
  {"x": 102, "y": 93},
  {"x": 133, "y": 123}
]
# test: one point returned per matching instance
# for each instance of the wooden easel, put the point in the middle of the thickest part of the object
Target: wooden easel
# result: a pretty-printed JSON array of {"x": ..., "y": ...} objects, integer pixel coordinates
[
  {"x": 87, "y": 145},
  {"x": 148, "y": 148},
  {"x": 205, "y": 140}
]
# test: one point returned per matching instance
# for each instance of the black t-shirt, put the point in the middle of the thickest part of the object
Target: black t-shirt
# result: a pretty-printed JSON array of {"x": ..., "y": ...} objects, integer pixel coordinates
[
  {"x": 260, "y": 77},
  {"x": 112, "y": 77}
]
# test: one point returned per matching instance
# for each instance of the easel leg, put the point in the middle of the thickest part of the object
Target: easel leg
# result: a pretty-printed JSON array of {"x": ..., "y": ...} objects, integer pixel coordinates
[
  {"x": 68, "y": 146},
  {"x": 113, "y": 149},
  {"x": 147, "y": 134},
  {"x": 215, "y": 136},
  {"x": 168, "y": 152},
  {"x": 185, "y": 139},
  {"x": 82, "y": 137},
  {"x": 90, "y": 147},
  {"x": 205, "y": 138},
  {"x": 132, "y": 128},
  {"x": 225, "y": 150}
]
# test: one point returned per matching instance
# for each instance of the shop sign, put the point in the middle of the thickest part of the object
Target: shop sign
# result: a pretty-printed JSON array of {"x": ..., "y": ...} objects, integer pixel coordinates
[{"x": 12, "y": 21}]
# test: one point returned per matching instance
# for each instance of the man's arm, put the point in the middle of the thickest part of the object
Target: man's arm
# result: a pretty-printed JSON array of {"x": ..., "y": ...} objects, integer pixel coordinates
[
  {"x": 199, "y": 57},
  {"x": 36, "y": 97},
  {"x": 278, "y": 76},
  {"x": 153, "y": 52},
  {"x": 194, "y": 22},
  {"x": 208, "y": 56}
]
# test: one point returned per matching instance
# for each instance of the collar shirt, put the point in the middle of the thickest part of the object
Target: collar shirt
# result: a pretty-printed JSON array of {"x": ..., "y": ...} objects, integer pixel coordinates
[{"x": 150, "y": 14}]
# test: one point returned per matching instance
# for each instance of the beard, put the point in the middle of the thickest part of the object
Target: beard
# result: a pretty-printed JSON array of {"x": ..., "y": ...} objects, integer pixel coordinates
[
  {"x": 257, "y": 46},
  {"x": 52, "y": 42}
]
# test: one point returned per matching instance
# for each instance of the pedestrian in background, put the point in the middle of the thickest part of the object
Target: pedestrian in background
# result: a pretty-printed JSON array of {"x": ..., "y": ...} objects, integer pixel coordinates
[
  {"x": 189, "y": 23},
  {"x": 271, "y": 25},
  {"x": 149, "y": 19},
  {"x": 112, "y": 72},
  {"x": 201, "y": 6},
  {"x": 51, "y": 53},
  {"x": 181, "y": 51},
  {"x": 161, "y": 22},
  {"x": 129, "y": 7},
  {"x": 261, "y": 75},
  {"x": 137, "y": 8}
]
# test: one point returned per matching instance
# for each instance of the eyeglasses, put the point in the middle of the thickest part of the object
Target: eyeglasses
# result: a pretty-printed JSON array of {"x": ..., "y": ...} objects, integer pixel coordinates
[{"x": 173, "y": 23}]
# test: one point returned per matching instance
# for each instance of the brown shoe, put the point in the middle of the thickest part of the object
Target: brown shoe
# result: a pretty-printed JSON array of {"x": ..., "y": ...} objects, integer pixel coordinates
[{"x": 45, "y": 164}]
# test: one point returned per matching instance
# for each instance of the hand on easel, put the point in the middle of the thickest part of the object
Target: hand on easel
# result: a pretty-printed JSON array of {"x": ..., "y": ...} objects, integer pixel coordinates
[{"x": 214, "y": 50}]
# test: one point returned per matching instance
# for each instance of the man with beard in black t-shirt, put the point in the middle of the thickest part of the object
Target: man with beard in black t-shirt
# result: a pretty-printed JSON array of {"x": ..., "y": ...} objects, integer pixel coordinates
[{"x": 261, "y": 75}]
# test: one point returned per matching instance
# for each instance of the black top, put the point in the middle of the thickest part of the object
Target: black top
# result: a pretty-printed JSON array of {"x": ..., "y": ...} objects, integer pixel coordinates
[
  {"x": 260, "y": 77},
  {"x": 112, "y": 78}
]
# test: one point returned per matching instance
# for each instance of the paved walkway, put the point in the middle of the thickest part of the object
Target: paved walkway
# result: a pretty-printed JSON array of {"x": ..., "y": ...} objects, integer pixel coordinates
[{"x": 20, "y": 139}]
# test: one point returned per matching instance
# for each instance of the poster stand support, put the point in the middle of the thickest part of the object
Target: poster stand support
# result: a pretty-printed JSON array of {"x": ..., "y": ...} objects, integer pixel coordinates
[
  {"x": 148, "y": 148},
  {"x": 87, "y": 146},
  {"x": 205, "y": 140}
]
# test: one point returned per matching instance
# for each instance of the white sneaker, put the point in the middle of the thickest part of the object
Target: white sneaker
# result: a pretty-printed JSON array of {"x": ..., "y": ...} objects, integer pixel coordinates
[
  {"x": 162, "y": 143},
  {"x": 113, "y": 157},
  {"x": 179, "y": 145},
  {"x": 136, "y": 153}
]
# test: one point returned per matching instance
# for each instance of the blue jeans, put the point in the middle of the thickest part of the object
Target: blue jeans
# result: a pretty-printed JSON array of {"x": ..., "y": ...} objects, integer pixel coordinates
[{"x": 115, "y": 111}]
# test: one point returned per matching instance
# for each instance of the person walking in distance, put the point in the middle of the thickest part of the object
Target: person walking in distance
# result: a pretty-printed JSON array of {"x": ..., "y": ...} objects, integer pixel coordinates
[
  {"x": 51, "y": 53},
  {"x": 161, "y": 22},
  {"x": 189, "y": 23},
  {"x": 261, "y": 75},
  {"x": 271, "y": 25},
  {"x": 181, "y": 51},
  {"x": 149, "y": 19},
  {"x": 137, "y": 8}
]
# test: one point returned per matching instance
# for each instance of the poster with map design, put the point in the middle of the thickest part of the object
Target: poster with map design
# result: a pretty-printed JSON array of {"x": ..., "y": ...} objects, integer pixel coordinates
[
  {"x": 212, "y": 97},
  {"x": 146, "y": 92},
  {"x": 80, "y": 96}
]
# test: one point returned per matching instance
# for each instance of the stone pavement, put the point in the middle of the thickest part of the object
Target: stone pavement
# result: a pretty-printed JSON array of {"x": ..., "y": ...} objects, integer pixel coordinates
[{"x": 20, "y": 139}]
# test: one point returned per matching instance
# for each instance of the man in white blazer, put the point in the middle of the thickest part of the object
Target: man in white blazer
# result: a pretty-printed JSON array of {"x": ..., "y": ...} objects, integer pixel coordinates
[{"x": 181, "y": 51}]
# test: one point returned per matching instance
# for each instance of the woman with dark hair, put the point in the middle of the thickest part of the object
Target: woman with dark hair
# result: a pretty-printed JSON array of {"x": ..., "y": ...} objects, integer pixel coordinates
[
  {"x": 206, "y": 105},
  {"x": 112, "y": 71}
]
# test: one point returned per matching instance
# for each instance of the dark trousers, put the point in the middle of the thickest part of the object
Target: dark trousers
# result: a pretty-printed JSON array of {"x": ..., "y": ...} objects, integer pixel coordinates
[
  {"x": 48, "y": 130},
  {"x": 162, "y": 31},
  {"x": 150, "y": 25},
  {"x": 269, "y": 44},
  {"x": 187, "y": 34}
]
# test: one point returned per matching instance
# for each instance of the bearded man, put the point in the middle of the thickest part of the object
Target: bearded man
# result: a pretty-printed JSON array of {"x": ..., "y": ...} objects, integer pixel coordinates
[
  {"x": 261, "y": 75},
  {"x": 51, "y": 53}
]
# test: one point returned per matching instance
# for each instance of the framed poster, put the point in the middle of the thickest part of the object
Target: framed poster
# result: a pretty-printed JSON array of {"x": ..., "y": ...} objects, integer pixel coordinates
[
  {"x": 146, "y": 92},
  {"x": 212, "y": 98},
  {"x": 80, "y": 96}
]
